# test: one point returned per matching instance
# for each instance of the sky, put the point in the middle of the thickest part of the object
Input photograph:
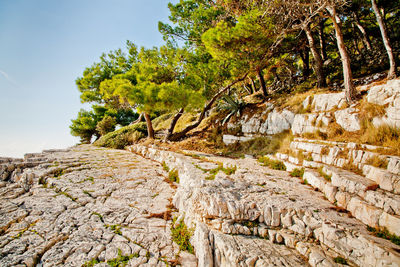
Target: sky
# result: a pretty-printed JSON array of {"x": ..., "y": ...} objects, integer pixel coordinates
[{"x": 44, "y": 46}]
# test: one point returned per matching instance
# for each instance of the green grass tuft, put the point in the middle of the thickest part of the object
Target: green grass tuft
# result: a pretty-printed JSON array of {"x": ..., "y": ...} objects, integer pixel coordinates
[
  {"x": 173, "y": 175},
  {"x": 340, "y": 260},
  {"x": 324, "y": 174},
  {"x": 384, "y": 234},
  {"x": 297, "y": 172},
  {"x": 273, "y": 164},
  {"x": 181, "y": 236}
]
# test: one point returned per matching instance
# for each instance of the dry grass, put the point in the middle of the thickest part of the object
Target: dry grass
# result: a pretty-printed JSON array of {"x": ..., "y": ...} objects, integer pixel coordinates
[
  {"x": 384, "y": 135},
  {"x": 378, "y": 162},
  {"x": 260, "y": 146}
]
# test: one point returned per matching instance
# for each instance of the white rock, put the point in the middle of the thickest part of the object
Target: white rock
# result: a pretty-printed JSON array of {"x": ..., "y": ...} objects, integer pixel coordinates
[
  {"x": 327, "y": 102},
  {"x": 348, "y": 118}
]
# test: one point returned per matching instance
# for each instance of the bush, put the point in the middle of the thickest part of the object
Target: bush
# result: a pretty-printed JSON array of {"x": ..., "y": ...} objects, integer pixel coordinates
[
  {"x": 297, "y": 172},
  {"x": 106, "y": 125},
  {"x": 123, "y": 137},
  {"x": 273, "y": 164}
]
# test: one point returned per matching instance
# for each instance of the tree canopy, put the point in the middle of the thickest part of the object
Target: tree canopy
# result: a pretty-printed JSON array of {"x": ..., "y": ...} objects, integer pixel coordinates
[{"x": 214, "y": 47}]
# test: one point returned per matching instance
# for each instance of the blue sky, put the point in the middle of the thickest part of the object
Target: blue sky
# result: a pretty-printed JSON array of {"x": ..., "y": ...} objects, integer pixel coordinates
[{"x": 44, "y": 46}]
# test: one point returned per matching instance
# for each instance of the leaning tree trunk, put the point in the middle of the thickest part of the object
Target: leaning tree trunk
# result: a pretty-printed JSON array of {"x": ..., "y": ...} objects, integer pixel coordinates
[
  {"x": 138, "y": 119},
  {"x": 321, "y": 34},
  {"x": 386, "y": 42},
  {"x": 173, "y": 123},
  {"x": 365, "y": 37},
  {"x": 150, "y": 130},
  {"x": 262, "y": 83},
  {"x": 318, "y": 64},
  {"x": 181, "y": 134},
  {"x": 350, "y": 90},
  {"x": 305, "y": 57}
]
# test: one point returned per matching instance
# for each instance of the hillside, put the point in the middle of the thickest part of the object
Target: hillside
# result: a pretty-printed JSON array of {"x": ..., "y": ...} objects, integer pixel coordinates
[{"x": 312, "y": 202}]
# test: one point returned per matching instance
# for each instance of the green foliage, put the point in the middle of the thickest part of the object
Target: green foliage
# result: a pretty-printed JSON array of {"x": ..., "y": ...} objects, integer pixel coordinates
[
  {"x": 243, "y": 44},
  {"x": 115, "y": 228},
  {"x": 106, "y": 125},
  {"x": 181, "y": 235},
  {"x": 121, "y": 260},
  {"x": 233, "y": 106},
  {"x": 91, "y": 263},
  {"x": 273, "y": 164},
  {"x": 165, "y": 166},
  {"x": 123, "y": 137},
  {"x": 384, "y": 234},
  {"x": 324, "y": 174},
  {"x": 340, "y": 260},
  {"x": 297, "y": 172},
  {"x": 213, "y": 172},
  {"x": 84, "y": 126},
  {"x": 173, "y": 176}
]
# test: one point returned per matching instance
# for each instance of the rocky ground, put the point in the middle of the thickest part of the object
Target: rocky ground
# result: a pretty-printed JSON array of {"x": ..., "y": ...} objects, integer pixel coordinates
[
  {"x": 86, "y": 205},
  {"x": 246, "y": 214}
]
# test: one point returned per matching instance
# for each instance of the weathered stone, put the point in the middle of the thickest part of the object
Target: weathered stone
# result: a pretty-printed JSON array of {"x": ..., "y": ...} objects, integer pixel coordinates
[
  {"x": 349, "y": 119},
  {"x": 327, "y": 102}
]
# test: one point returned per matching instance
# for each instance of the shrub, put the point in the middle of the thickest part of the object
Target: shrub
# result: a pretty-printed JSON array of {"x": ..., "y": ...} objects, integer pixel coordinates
[
  {"x": 123, "y": 137},
  {"x": 106, "y": 125},
  {"x": 297, "y": 172}
]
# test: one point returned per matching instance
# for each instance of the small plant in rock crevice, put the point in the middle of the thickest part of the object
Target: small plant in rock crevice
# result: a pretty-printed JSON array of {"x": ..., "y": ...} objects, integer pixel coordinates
[
  {"x": 273, "y": 164},
  {"x": 297, "y": 172},
  {"x": 165, "y": 166},
  {"x": 173, "y": 175},
  {"x": 326, "y": 176},
  {"x": 340, "y": 260},
  {"x": 384, "y": 233},
  {"x": 181, "y": 235},
  {"x": 213, "y": 172}
]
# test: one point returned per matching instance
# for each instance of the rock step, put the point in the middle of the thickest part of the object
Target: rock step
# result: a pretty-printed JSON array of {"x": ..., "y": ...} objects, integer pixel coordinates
[
  {"x": 252, "y": 201},
  {"x": 374, "y": 207},
  {"x": 338, "y": 156}
]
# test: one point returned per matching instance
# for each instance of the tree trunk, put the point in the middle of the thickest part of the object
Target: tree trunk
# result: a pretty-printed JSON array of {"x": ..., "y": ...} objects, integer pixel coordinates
[
  {"x": 365, "y": 37},
  {"x": 386, "y": 42},
  {"x": 349, "y": 88},
  {"x": 138, "y": 119},
  {"x": 321, "y": 35},
  {"x": 305, "y": 57},
  {"x": 181, "y": 134},
  {"x": 318, "y": 64},
  {"x": 262, "y": 83},
  {"x": 150, "y": 130},
  {"x": 173, "y": 123},
  {"x": 253, "y": 84}
]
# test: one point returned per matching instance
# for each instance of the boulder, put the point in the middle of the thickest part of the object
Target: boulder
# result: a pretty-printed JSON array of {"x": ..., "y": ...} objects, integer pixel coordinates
[{"x": 348, "y": 118}]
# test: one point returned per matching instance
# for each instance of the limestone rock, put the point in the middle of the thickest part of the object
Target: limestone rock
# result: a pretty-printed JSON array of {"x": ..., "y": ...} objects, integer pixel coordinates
[
  {"x": 348, "y": 118},
  {"x": 327, "y": 102}
]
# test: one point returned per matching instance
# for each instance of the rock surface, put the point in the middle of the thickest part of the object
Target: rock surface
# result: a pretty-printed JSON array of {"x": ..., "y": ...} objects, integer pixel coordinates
[
  {"x": 87, "y": 204},
  {"x": 234, "y": 213}
]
